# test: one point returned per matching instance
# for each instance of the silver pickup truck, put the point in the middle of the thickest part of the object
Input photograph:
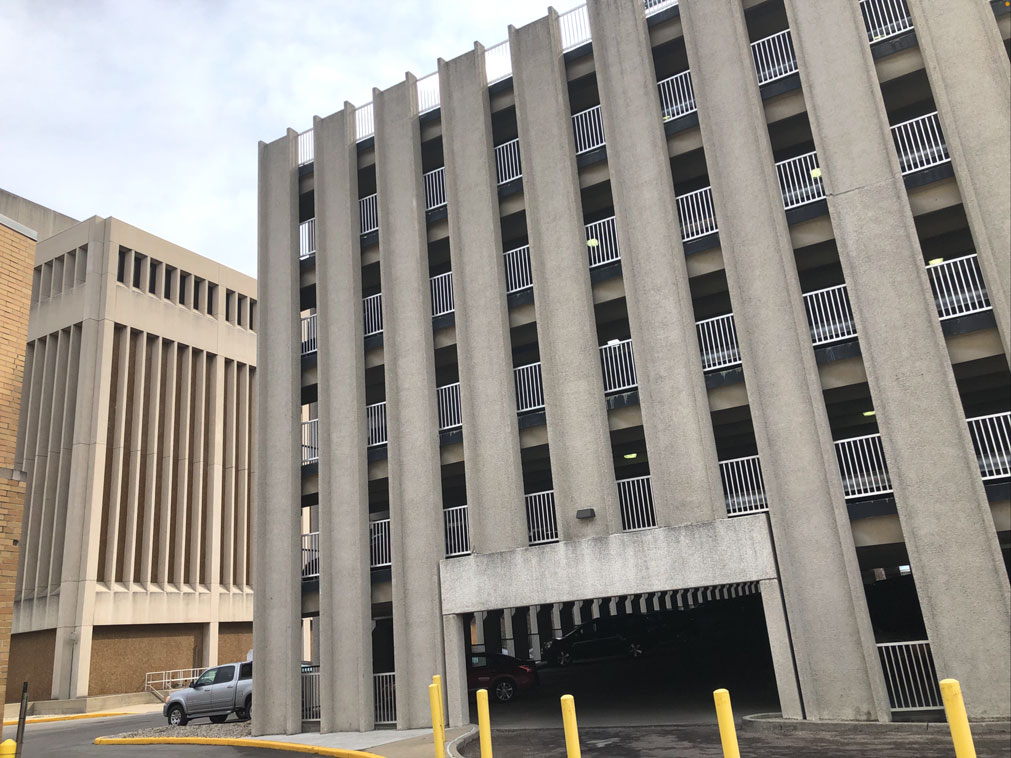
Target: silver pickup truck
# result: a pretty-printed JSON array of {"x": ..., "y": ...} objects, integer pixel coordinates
[{"x": 214, "y": 694}]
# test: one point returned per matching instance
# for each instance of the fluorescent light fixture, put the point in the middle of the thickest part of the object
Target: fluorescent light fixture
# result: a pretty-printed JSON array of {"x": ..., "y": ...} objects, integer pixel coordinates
[
  {"x": 614, "y": 342},
  {"x": 592, "y": 242},
  {"x": 935, "y": 261},
  {"x": 630, "y": 456},
  {"x": 869, "y": 413}
]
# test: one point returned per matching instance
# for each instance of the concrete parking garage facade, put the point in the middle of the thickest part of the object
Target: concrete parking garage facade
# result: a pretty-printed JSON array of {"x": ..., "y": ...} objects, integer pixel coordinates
[{"x": 784, "y": 208}]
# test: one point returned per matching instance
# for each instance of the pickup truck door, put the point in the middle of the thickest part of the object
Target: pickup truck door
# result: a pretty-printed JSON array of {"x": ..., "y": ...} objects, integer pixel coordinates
[
  {"x": 223, "y": 689},
  {"x": 198, "y": 699}
]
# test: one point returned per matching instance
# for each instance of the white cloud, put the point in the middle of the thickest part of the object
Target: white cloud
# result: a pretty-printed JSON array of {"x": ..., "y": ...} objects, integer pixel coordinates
[{"x": 150, "y": 110}]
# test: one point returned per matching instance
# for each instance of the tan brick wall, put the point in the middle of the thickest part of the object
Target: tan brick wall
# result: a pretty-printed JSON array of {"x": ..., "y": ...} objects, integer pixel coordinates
[
  {"x": 121, "y": 655},
  {"x": 17, "y": 258},
  {"x": 234, "y": 641},
  {"x": 31, "y": 661}
]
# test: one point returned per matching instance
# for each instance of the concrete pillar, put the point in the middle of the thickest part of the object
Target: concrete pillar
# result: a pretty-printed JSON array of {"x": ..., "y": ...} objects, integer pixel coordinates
[
  {"x": 595, "y": 609},
  {"x": 556, "y": 620},
  {"x": 276, "y": 534},
  {"x": 582, "y": 467},
  {"x": 781, "y": 648},
  {"x": 491, "y": 444},
  {"x": 345, "y": 587},
  {"x": 970, "y": 79},
  {"x": 416, "y": 519},
  {"x": 508, "y": 635},
  {"x": 943, "y": 507},
  {"x": 455, "y": 682},
  {"x": 577, "y": 613},
  {"x": 479, "y": 617},
  {"x": 209, "y": 645},
  {"x": 684, "y": 472},
  {"x": 534, "y": 635},
  {"x": 840, "y": 677}
]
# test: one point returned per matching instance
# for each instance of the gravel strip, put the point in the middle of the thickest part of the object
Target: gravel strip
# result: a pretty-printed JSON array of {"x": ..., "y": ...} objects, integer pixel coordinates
[{"x": 230, "y": 729}]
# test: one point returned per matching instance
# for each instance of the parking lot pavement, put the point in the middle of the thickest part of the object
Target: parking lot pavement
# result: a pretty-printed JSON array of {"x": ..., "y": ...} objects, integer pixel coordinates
[{"x": 704, "y": 742}]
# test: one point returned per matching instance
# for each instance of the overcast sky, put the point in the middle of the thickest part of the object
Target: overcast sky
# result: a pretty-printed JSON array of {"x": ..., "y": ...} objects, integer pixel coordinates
[{"x": 150, "y": 110}]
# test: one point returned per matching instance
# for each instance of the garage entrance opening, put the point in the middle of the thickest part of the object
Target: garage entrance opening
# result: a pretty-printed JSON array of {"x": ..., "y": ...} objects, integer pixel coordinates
[{"x": 631, "y": 660}]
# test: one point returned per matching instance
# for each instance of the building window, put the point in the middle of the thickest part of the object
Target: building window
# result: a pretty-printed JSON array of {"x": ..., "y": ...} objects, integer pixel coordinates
[{"x": 121, "y": 268}]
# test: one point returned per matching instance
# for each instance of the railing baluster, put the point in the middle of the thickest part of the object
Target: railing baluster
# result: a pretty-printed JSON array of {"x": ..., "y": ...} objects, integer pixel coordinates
[
  {"x": 588, "y": 129},
  {"x": 920, "y": 143},
  {"x": 518, "y": 274},
  {"x": 368, "y": 212},
  {"x": 435, "y": 188},
  {"x": 885, "y": 18},
  {"x": 310, "y": 441},
  {"x": 774, "y": 57},
  {"x": 507, "y": 161},
  {"x": 309, "y": 341},
  {"x": 743, "y": 486}
]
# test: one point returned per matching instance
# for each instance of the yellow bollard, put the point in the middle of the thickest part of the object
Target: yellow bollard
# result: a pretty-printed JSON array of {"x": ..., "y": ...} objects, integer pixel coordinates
[
  {"x": 571, "y": 729},
  {"x": 483, "y": 725},
  {"x": 958, "y": 722},
  {"x": 8, "y": 747},
  {"x": 438, "y": 736},
  {"x": 437, "y": 681},
  {"x": 725, "y": 716}
]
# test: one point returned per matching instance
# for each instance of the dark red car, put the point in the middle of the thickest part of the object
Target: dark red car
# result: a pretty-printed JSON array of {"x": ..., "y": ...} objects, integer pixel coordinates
[{"x": 502, "y": 675}]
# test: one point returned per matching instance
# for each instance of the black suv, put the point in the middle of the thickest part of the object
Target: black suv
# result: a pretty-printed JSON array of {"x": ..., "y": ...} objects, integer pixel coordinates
[{"x": 602, "y": 637}]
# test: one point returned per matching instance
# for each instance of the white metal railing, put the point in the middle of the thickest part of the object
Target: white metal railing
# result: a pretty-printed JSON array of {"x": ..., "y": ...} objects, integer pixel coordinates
[
  {"x": 696, "y": 214},
  {"x": 375, "y": 418},
  {"x": 677, "y": 97},
  {"x": 310, "y": 441},
  {"x": 173, "y": 679},
  {"x": 368, "y": 213},
  {"x": 448, "y": 402},
  {"x": 457, "y": 525},
  {"x": 498, "y": 62},
  {"x": 310, "y": 556},
  {"x": 517, "y": 269},
  {"x": 862, "y": 466},
  {"x": 385, "y": 698},
  {"x": 602, "y": 242},
  {"x": 800, "y": 180},
  {"x": 991, "y": 438},
  {"x": 365, "y": 125},
  {"x": 309, "y": 340},
  {"x": 829, "y": 315},
  {"x": 306, "y": 148},
  {"x": 743, "y": 487},
  {"x": 307, "y": 238},
  {"x": 428, "y": 93},
  {"x": 442, "y": 294},
  {"x": 885, "y": 18},
  {"x": 636, "y": 499},
  {"x": 435, "y": 188},
  {"x": 529, "y": 389},
  {"x": 618, "y": 365},
  {"x": 655, "y": 6},
  {"x": 718, "y": 342},
  {"x": 507, "y": 161},
  {"x": 920, "y": 143},
  {"x": 541, "y": 524},
  {"x": 372, "y": 307},
  {"x": 958, "y": 287},
  {"x": 575, "y": 28},
  {"x": 774, "y": 57},
  {"x": 380, "y": 553},
  {"x": 588, "y": 129},
  {"x": 910, "y": 676},
  {"x": 310, "y": 693}
]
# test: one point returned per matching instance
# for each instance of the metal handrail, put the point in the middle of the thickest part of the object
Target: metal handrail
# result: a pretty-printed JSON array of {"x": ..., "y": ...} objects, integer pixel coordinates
[
  {"x": 677, "y": 96},
  {"x": 574, "y": 26},
  {"x": 456, "y": 521},
  {"x": 920, "y": 143},
  {"x": 448, "y": 403},
  {"x": 384, "y": 697},
  {"x": 306, "y": 148},
  {"x": 829, "y": 315},
  {"x": 380, "y": 553},
  {"x": 618, "y": 366},
  {"x": 696, "y": 214},
  {"x": 307, "y": 238},
  {"x": 602, "y": 242},
  {"x": 542, "y": 526},
  {"x": 774, "y": 57},
  {"x": 375, "y": 418},
  {"x": 507, "y": 161},
  {"x": 885, "y": 18},
  {"x": 588, "y": 129},
  {"x": 635, "y": 496},
  {"x": 743, "y": 486},
  {"x": 310, "y": 441},
  {"x": 910, "y": 675},
  {"x": 310, "y": 556},
  {"x": 800, "y": 180},
  {"x": 517, "y": 269},
  {"x": 310, "y": 343},
  {"x": 718, "y": 342},
  {"x": 435, "y": 188}
]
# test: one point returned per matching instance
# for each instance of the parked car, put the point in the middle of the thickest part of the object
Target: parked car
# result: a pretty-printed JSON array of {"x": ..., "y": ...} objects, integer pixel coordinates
[
  {"x": 602, "y": 637},
  {"x": 214, "y": 694},
  {"x": 502, "y": 675}
]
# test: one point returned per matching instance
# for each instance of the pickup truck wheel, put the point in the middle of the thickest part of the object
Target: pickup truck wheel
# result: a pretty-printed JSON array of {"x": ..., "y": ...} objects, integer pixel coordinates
[
  {"x": 177, "y": 716},
  {"x": 247, "y": 711},
  {"x": 219, "y": 719}
]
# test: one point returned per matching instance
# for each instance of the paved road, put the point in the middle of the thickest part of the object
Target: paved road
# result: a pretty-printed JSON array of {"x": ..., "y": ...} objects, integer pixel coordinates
[
  {"x": 76, "y": 738},
  {"x": 703, "y": 742}
]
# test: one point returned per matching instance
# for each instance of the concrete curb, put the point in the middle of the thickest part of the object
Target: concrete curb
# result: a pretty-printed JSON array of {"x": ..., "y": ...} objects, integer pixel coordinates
[
  {"x": 293, "y": 747},
  {"x": 453, "y": 748},
  {"x": 773, "y": 723},
  {"x": 70, "y": 717}
]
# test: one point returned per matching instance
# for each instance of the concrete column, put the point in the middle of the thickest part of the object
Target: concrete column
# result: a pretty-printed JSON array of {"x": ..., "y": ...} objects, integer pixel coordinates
[
  {"x": 556, "y": 620},
  {"x": 684, "y": 472},
  {"x": 455, "y": 682},
  {"x": 151, "y": 452},
  {"x": 277, "y": 650},
  {"x": 415, "y": 482},
  {"x": 533, "y": 634},
  {"x": 781, "y": 648},
  {"x": 138, "y": 344},
  {"x": 316, "y": 644},
  {"x": 582, "y": 467},
  {"x": 970, "y": 79},
  {"x": 210, "y": 645},
  {"x": 595, "y": 609},
  {"x": 943, "y": 507},
  {"x": 161, "y": 571},
  {"x": 214, "y": 476},
  {"x": 508, "y": 633},
  {"x": 577, "y": 613},
  {"x": 840, "y": 677},
  {"x": 177, "y": 559},
  {"x": 491, "y": 444},
  {"x": 479, "y": 617},
  {"x": 345, "y": 589}
]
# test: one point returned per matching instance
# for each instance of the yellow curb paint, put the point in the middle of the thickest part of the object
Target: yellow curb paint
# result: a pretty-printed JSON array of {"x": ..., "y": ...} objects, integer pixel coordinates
[
  {"x": 71, "y": 717},
  {"x": 293, "y": 747}
]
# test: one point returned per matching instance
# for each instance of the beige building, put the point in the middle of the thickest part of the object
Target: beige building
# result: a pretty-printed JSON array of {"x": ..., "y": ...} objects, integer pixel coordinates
[{"x": 134, "y": 436}]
